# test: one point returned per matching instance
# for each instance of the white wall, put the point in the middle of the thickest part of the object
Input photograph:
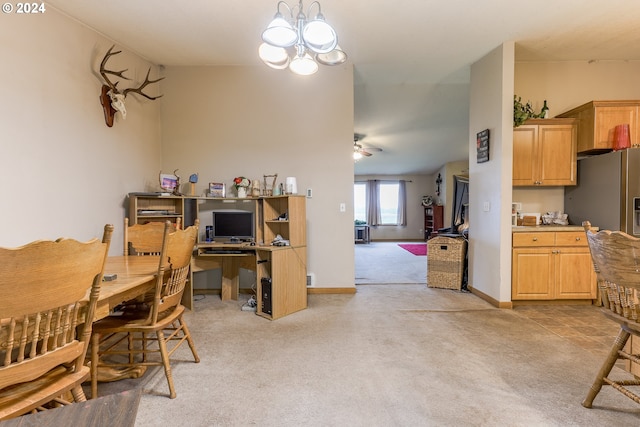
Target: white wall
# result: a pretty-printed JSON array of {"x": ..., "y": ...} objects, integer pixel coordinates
[
  {"x": 419, "y": 185},
  {"x": 491, "y": 107},
  {"x": 566, "y": 85},
  {"x": 223, "y": 122},
  {"x": 65, "y": 172}
]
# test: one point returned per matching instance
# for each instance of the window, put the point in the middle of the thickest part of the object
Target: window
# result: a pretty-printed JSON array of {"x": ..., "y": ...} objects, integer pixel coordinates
[
  {"x": 388, "y": 195},
  {"x": 360, "y": 201},
  {"x": 389, "y": 203}
]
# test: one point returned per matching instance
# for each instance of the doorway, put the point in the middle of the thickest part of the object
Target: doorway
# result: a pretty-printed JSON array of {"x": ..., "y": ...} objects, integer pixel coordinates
[{"x": 384, "y": 262}]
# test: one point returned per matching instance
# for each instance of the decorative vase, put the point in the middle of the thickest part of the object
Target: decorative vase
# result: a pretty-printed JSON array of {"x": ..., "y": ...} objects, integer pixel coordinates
[{"x": 242, "y": 192}]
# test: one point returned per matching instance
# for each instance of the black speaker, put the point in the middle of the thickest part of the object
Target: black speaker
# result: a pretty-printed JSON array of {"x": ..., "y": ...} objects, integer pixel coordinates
[{"x": 266, "y": 295}]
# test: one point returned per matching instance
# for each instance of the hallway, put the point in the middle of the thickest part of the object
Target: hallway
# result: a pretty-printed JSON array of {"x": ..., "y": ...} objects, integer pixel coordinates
[{"x": 386, "y": 263}]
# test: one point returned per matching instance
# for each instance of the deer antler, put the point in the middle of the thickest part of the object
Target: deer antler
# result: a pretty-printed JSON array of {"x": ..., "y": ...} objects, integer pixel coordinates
[
  {"x": 104, "y": 71},
  {"x": 111, "y": 98},
  {"x": 138, "y": 90}
]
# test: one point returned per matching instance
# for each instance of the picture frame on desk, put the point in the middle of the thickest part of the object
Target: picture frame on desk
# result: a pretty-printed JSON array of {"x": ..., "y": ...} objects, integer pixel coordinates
[
  {"x": 217, "y": 189},
  {"x": 168, "y": 182}
]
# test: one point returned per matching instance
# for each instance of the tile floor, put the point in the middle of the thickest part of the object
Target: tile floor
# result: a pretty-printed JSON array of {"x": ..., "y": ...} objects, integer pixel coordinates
[{"x": 584, "y": 325}]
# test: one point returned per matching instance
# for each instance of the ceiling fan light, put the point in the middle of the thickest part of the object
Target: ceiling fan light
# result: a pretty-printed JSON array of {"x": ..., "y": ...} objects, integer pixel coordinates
[
  {"x": 357, "y": 155},
  {"x": 303, "y": 65},
  {"x": 280, "y": 33},
  {"x": 335, "y": 57},
  {"x": 319, "y": 36},
  {"x": 274, "y": 57}
]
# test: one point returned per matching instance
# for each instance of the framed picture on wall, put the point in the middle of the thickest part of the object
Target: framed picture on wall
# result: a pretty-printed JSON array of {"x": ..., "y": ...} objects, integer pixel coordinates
[
  {"x": 216, "y": 189},
  {"x": 482, "y": 143}
]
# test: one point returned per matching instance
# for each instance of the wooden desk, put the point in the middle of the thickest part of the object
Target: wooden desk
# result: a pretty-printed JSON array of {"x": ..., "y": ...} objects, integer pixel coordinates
[
  {"x": 286, "y": 266},
  {"x": 229, "y": 263},
  {"x": 136, "y": 275}
]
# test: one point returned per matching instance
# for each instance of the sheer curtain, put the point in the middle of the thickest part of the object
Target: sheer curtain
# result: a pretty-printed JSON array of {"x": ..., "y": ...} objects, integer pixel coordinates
[
  {"x": 373, "y": 204},
  {"x": 374, "y": 216},
  {"x": 402, "y": 203}
]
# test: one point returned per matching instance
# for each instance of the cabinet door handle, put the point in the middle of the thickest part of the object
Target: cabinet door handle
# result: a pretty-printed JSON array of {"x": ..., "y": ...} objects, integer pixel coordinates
[
  {"x": 577, "y": 239},
  {"x": 535, "y": 239}
]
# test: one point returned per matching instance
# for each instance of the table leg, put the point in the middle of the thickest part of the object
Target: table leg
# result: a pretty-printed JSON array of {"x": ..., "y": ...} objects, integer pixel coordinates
[{"x": 230, "y": 278}]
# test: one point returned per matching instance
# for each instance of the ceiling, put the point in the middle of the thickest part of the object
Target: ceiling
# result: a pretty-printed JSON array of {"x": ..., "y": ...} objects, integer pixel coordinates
[{"x": 411, "y": 58}]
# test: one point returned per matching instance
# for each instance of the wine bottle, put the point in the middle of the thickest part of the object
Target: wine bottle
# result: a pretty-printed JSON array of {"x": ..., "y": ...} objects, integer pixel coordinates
[{"x": 544, "y": 113}]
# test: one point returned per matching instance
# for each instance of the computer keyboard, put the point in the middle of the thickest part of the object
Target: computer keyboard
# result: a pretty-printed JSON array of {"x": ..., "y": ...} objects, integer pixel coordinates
[{"x": 223, "y": 251}]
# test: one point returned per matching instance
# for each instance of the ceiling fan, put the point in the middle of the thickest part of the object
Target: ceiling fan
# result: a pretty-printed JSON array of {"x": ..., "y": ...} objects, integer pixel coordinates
[{"x": 358, "y": 150}]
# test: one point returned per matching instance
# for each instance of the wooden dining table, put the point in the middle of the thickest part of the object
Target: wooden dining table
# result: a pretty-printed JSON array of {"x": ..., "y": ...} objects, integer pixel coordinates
[{"x": 135, "y": 275}]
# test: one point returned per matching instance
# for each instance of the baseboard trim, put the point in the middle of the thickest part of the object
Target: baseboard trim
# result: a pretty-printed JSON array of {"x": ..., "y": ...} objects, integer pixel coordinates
[
  {"x": 494, "y": 302},
  {"x": 310, "y": 290},
  {"x": 555, "y": 302},
  {"x": 314, "y": 290}
]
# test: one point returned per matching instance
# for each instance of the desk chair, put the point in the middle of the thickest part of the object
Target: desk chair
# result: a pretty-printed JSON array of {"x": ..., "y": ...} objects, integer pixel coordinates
[
  {"x": 145, "y": 239},
  {"x": 142, "y": 327},
  {"x": 616, "y": 259},
  {"x": 48, "y": 296}
]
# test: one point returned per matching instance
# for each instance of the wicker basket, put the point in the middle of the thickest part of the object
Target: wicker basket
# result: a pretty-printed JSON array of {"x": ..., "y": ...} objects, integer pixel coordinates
[{"x": 445, "y": 262}]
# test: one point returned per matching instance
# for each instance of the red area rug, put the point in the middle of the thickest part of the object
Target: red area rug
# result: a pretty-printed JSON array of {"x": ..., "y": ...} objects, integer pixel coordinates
[{"x": 419, "y": 249}]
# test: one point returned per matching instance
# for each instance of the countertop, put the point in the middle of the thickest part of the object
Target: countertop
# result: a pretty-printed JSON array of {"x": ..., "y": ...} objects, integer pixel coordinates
[{"x": 537, "y": 228}]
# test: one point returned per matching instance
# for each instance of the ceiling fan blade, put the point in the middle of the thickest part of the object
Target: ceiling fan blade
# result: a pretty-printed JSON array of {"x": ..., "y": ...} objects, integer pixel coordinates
[
  {"x": 375, "y": 149},
  {"x": 364, "y": 153}
]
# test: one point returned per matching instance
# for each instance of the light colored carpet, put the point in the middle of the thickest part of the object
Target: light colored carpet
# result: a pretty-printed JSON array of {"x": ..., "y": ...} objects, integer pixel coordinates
[
  {"x": 389, "y": 355},
  {"x": 386, "y": 262}
]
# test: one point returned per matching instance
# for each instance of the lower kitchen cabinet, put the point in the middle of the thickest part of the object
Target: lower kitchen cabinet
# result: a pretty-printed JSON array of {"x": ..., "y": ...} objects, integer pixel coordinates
[{"x": 551, "y": 265}]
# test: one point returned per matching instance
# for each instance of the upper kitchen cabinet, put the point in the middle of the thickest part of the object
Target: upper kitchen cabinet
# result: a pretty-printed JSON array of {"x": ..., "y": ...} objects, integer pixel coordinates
[
  {"x": 597, "y": 121},
  {"x": 544, "y": 153}
]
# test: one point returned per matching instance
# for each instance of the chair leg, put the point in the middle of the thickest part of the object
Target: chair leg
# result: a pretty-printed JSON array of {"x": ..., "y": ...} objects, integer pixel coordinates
[
  {"x": 608, "y": 364},
  {"x": 95, "y": 343},
  {"x": 165, "y": 362},
  {"x": 78, "y": 394},
  {"x": 145, "y": 344},
  {"x": 187, "y": 334},
  {"x": 130, "y": 347}
]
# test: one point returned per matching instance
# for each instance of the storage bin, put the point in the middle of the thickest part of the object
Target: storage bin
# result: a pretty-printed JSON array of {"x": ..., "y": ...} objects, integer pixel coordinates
[{"x": 445, "y": 262}]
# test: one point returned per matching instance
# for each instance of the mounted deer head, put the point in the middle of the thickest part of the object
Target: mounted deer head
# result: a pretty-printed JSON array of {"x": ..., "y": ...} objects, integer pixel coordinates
[{"x": 112, "y": 98}]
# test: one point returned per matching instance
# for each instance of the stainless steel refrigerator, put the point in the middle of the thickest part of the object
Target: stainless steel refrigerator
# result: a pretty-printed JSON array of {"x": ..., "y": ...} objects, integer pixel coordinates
[{"x": 608, "y": 192}]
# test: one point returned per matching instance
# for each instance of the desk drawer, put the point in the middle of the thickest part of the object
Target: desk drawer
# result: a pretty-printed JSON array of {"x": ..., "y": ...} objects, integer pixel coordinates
[{"x": 533, "y": 239}]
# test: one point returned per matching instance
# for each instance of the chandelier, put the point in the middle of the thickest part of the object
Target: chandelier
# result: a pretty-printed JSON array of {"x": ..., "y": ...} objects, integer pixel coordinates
[{"x": 290, "y": 42}]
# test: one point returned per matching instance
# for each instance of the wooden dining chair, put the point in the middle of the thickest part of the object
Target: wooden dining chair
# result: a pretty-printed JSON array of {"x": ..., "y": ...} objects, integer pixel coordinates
[
  {"x": 155, "y": 327},
  {"x": 145, "y": 239},
  {"x": 616, "y": 259},
  {"x": 48, "y": 295}
]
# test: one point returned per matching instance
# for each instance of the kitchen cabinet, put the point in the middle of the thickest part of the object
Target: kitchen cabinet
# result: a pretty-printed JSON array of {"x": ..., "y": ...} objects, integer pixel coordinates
[
  {"x": 552, "y": 265},
  {"x": 597, "y": 121},
  {"x": 544, "y": 153}
]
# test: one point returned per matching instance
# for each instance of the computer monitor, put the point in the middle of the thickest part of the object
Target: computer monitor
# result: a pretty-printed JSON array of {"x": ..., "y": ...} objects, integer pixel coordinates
[{"x": 232, "y": 224}]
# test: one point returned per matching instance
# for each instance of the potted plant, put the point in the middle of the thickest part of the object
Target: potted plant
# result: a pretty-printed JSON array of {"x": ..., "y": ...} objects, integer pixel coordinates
[{"x": 241, "y": 184}]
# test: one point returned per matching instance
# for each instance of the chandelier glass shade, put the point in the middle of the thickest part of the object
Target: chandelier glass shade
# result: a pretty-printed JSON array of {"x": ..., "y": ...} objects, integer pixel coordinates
[{"x": 290, "y": 42}]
